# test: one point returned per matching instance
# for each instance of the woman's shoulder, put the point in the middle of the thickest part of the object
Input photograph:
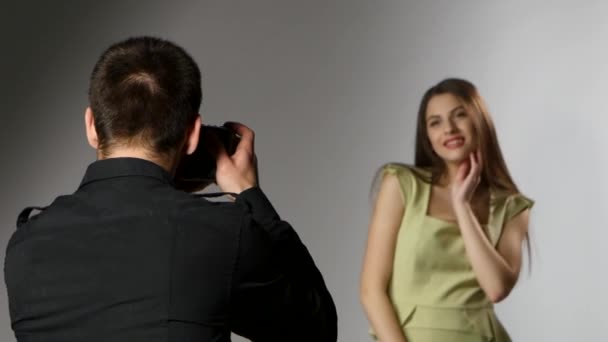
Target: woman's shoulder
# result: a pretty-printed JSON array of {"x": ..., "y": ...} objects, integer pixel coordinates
[
  {"x": 408, "y": 171},
  {"x": 517, "y": 203},
  {"x": 409, "y": 177},
  {"x": 506, "y": 197},
  {"x": 509, "y": 204}
]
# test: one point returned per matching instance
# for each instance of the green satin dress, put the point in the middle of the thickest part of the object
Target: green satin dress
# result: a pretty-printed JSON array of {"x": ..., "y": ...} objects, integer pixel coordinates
[{"x": 433, "y": 289}]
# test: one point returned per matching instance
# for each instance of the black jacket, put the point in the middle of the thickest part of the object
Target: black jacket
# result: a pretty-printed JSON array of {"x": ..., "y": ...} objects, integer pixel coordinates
[{"x": 127, "y": 257}]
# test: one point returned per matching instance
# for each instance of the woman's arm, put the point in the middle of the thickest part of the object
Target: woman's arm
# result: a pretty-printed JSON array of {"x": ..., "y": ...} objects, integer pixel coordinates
[
  {"x": 496, "y": 269},
  {"x": 378, "y": 261}
]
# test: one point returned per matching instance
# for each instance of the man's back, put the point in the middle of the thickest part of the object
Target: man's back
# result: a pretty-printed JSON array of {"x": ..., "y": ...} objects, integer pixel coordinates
[{"x": 129, "y": 258}]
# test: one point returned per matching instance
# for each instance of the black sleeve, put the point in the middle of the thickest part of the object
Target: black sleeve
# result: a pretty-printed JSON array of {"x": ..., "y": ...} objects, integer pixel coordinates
[{"x": 278, "y": 293}]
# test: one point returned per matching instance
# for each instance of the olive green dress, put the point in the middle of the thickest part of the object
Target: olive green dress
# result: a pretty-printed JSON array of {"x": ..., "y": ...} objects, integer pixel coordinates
[{"x": 433, "y": 288}]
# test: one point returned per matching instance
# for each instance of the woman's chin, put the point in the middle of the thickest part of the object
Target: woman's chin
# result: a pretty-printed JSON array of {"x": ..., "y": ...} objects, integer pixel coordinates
[{"x": 456, "y": 157}]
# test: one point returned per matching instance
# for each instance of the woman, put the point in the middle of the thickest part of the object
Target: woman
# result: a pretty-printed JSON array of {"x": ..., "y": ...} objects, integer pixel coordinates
[{"x": 445, "y": 238}]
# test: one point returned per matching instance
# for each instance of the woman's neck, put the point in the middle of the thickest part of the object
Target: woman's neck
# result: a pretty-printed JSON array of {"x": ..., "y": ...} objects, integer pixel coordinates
[{"x": 449, "y": 174}]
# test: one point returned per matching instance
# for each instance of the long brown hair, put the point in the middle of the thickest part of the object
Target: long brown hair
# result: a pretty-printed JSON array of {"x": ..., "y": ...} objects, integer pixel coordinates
[{"x": 494, "y": 169}]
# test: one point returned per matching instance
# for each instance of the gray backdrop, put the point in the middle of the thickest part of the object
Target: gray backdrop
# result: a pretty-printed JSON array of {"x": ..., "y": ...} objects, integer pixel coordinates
[{"x": 331, "y": 88}]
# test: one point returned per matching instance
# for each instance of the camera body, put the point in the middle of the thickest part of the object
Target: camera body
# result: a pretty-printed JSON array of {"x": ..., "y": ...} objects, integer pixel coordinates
[{"x": 198, "y": 169}]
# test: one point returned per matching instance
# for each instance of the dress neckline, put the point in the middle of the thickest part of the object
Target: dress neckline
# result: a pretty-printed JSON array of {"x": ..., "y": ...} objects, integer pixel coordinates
[{"x": 428, "y": 187}]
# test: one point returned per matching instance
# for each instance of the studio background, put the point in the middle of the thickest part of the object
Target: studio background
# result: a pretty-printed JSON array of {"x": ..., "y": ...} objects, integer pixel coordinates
[{"x": 332, "y": 89}]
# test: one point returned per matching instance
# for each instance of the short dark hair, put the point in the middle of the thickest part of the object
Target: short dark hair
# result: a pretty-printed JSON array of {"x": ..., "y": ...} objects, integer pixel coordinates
[{"x": 145, "y": 90}]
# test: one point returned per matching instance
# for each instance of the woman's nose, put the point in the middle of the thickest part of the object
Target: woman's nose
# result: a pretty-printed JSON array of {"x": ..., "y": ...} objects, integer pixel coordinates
[{"x": 450, "y": 127}]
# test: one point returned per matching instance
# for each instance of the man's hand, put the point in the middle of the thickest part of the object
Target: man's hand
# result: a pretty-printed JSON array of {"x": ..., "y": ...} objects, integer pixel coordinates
[{"x": 238, "y": 172}]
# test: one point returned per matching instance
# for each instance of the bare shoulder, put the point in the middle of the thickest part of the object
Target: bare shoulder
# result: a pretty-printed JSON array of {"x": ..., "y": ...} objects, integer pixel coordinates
[{"x": 390, "y": 186}]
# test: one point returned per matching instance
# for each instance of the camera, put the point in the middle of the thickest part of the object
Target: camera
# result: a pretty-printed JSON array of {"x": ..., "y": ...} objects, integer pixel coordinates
[{"x": 197, "y": 170}]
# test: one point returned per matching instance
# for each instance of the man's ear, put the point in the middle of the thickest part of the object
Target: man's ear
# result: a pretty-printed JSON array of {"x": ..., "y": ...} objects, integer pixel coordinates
[
  {"x": 193, "y": 136},
  {"x": 89, "y": 123}
]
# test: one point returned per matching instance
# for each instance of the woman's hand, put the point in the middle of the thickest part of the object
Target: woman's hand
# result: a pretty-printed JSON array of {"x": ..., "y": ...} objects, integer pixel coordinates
[{"x": 467, "y": 179}]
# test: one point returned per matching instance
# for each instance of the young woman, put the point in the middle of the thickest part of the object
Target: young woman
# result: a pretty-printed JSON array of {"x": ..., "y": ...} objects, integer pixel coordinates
[{"x": 445, "y": 237}]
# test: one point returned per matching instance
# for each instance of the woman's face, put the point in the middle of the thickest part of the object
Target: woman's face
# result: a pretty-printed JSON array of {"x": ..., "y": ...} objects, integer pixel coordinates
[{"x": 450, "y": 128}]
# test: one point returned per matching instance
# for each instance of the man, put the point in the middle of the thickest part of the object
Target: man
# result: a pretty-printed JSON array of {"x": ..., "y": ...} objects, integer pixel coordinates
[{"x": 128, "y": 257}]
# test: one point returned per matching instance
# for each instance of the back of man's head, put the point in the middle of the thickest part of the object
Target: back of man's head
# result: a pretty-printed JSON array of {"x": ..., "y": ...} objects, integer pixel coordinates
[{"x": 145, "y": 92}]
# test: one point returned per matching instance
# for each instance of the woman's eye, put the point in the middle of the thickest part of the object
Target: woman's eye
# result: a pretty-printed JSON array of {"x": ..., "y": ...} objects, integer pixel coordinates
[
  {"x": 433, "y": 123},
  {"x": 461, "y": 114}
]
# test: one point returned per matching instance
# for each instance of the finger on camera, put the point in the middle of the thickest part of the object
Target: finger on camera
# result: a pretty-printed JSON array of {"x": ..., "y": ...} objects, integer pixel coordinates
[{"x": 246, "y": 133}]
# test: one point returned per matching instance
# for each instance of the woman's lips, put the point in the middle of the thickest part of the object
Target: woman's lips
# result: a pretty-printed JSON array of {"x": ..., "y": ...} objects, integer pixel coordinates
[{"x": 453, "y": 143}]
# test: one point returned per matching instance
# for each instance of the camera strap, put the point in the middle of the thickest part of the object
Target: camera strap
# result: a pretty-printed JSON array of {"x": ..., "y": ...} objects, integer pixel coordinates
[
  {"x": 24, "y": 216},
  {"x": 216, "y": 194}
]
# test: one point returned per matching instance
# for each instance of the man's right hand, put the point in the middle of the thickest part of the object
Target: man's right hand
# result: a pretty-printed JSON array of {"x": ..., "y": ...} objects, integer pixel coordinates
[{"x": 238, "y": 172}]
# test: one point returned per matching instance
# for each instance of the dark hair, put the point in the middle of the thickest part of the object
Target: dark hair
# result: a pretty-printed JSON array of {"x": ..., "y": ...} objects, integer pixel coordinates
[
  {"x": 147, "y": 91},
  {"x": 494, "y": 169}
]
